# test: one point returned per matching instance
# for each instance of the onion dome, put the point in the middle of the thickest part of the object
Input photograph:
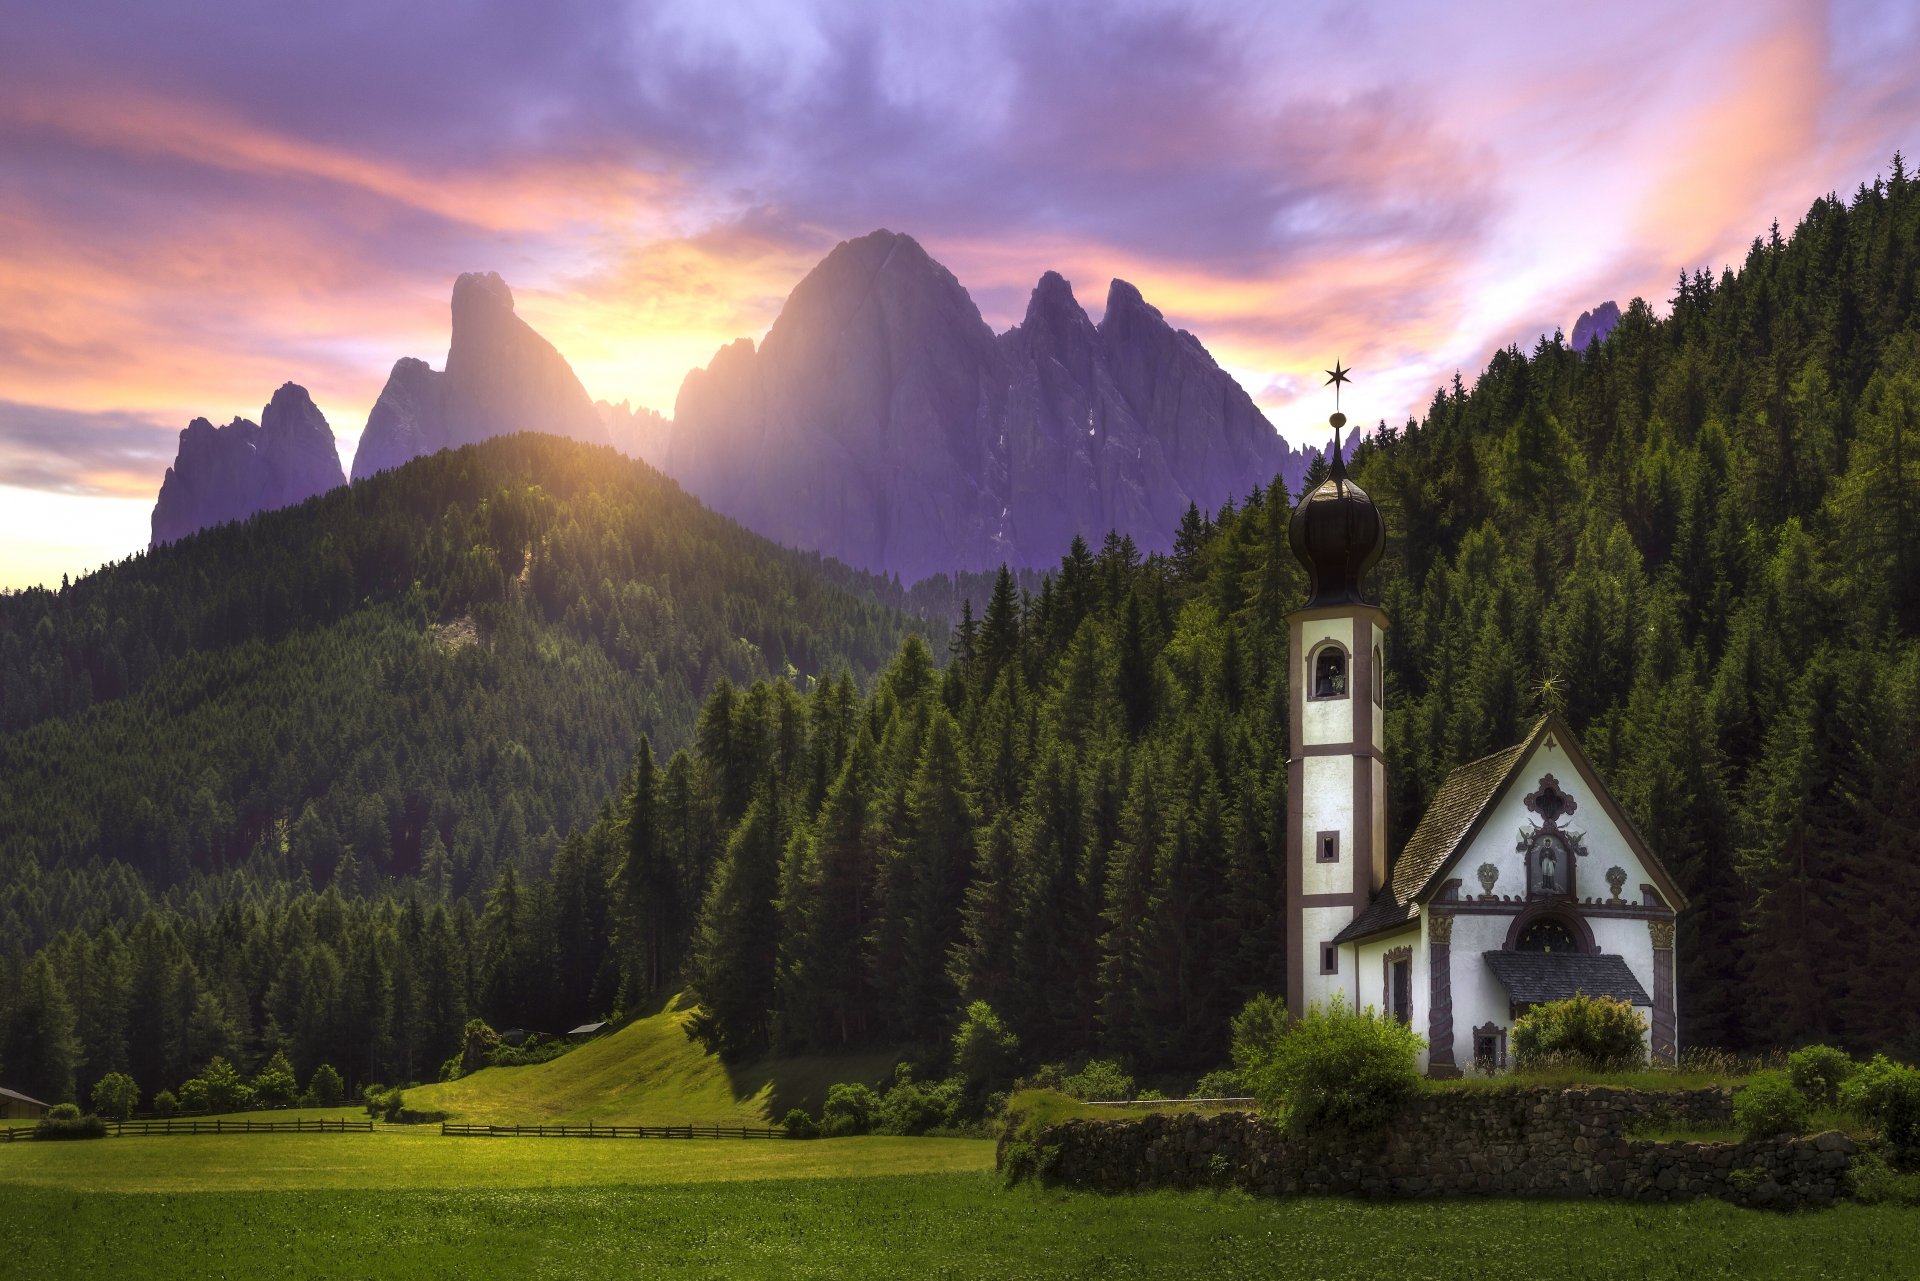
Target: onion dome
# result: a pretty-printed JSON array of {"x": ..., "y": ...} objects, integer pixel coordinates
[{"x": 1337, "y": 533}]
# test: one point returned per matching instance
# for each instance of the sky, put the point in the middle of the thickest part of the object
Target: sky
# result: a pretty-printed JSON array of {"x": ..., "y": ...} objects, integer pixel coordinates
[{"x": 204, "y": 199}]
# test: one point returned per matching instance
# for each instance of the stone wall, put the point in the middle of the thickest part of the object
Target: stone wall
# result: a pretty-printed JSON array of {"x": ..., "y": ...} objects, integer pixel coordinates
[{"x": 1507, "y": 1142}]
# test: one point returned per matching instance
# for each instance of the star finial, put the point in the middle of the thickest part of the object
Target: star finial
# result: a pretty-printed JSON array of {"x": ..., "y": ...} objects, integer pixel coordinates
[{"x": 1335, "y": 377}]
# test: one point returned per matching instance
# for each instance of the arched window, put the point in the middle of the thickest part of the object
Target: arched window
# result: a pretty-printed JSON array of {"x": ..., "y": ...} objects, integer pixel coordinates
[
  {"x": 1379, "y": 679},
  {"x": 1330, "y": 672},
  {"x": 1547, "y": 934}
]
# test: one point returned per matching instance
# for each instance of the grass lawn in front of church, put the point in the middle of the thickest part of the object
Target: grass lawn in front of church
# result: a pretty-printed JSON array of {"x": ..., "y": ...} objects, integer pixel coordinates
[{"x": 400, "y": 1207}]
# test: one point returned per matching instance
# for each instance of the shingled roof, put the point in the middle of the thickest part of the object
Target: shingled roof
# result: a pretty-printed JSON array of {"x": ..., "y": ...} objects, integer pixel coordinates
[
  {"x": 1534, "y": 977},
  {"x": 1460, "y": 800}
]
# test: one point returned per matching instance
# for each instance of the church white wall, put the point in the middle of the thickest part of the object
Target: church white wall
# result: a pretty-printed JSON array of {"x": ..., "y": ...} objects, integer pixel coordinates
[
  {"x": 1327, "y": 806},
  {"x": 1379, "y": 635},
  {"x": 1328, "y": 720},
  {"x": 1321, "y": 925},
  {"x": 1631, "y": 941},
  {"x": 1606, "y": 843},
  {"x": 1478, "y": 997}
]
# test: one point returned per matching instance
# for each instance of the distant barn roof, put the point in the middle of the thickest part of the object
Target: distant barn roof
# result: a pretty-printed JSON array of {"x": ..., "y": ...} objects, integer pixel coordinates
[
  {"x": 1533, "y": 977},
  {"x": 15, "y": 1094},
  {"x": 587, "y": 1029}
]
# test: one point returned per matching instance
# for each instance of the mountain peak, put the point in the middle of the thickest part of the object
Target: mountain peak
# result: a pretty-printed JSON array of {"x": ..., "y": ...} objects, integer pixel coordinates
[
  {"x": 1593, "y": 326},
  {"x": 500, "y": 377},
  {"x": 229, "y": 473},
  {"x": 481, "y": 290}
]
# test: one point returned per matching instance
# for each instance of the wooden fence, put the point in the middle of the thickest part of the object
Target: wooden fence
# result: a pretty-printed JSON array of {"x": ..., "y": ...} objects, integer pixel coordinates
[
  {"x": 126, "y": 1129},
  {"x": 452, "y": 1130},
  {"x": 1173, "y": 1103}
]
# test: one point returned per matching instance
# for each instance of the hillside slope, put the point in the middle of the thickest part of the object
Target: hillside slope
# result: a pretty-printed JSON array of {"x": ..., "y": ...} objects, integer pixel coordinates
[
  {"x": 649, "y": 1073},
  {"x": 444, "y": 663}
]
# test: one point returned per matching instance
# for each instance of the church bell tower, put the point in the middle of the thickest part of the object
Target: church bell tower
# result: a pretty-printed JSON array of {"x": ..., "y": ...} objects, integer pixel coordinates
[{"x": 1337, "y": 774}]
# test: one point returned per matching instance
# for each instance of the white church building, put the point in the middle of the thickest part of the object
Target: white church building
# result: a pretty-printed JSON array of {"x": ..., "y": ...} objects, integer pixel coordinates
[{"x": 1524, "y": 883}]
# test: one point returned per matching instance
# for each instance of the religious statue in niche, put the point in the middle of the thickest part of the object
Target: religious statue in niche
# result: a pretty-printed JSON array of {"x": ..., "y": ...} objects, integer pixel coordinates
[
  {"x": 1550, "y": 850},
  {"x": 1330, "y": 674}
]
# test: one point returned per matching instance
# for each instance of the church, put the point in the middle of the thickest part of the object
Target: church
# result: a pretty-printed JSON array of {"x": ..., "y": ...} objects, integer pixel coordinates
[{"x": 1524, "y": 882}]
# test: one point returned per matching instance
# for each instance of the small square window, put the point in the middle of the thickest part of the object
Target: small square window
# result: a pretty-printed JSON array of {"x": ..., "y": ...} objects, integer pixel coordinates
[
  {"x": 1329, "y": 959},
  {"x": 1327, "y": 847}
]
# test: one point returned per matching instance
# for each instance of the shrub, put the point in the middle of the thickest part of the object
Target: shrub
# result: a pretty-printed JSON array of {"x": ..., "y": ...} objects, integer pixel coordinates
[
  {"x": 1886, "y": 1095},
  {"x": 165, "y": 1104},
  {"x": 1337, "y": 1067},
  {"x": 477, "y": 1040},
  {"x": 800, "y": 1125},
  {"x": 63, "y": 1121},
  {"x": 325, "y": 1087},
  {"x": 527, "y": 1053},
  {"x": 913, "y": 1107},
  {"x": 849, "y": 1109},
  {"x": 218, "y": 1088},
  {"x": 274, "y": 1085},
  {"x": 1770, "y": 1105},
  {"x": 1099, "y": 1079},
  {"x": 1818, "y": 1071},
  {"x": 115, "y": 1096},
  {"x": 1871, "y": 1180},
  {"x": 1221, "y": 1083},
  {"x": 984, "y": 1051},
  {"x": 1597, "y": 1032},
  {"x": 1255, "y": 1031}
]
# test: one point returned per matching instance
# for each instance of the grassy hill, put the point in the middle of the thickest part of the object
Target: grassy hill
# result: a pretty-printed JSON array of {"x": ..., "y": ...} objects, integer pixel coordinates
[{"x": 649, "y": 1072}]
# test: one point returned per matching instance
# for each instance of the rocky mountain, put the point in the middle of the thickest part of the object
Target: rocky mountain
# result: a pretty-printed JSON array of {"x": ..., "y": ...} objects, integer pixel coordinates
[
  {"x": 229, "y": 473},
  {"x": 1595, "y": 325},
  {"x": 882, "y": 422},
  {"x": 635, "y": 430},
  {"x": 500, "y": 377}
]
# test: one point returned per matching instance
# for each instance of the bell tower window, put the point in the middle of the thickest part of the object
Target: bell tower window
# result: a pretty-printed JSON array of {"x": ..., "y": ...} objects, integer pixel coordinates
[
  {"x": 1379, "y": 680},
  {"x": 1330, "y": 672}
]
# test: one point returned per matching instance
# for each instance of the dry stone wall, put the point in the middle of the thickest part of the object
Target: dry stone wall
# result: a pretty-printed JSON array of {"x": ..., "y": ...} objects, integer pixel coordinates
[{"x": 1508, "y": 1142}]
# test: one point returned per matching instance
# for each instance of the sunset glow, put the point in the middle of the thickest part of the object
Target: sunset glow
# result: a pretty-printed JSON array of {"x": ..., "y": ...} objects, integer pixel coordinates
[{"x": 196, "y": 206}]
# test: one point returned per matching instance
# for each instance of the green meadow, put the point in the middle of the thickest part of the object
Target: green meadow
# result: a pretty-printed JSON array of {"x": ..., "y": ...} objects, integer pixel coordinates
[{"x": 405, "y": 1207}]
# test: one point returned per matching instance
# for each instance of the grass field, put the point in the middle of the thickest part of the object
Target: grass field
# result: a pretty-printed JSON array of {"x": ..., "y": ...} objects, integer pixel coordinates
[
  {"x": 649, "y": 1073},
  {"x": 671, "y": 1210},
  {"x": 418, "y": 1157}
]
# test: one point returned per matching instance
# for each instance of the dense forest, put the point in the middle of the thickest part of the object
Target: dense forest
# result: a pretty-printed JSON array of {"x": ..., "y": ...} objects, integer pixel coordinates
[
  {"x": 432, "y": 673},
  {"x": 1699, "y": 540}
]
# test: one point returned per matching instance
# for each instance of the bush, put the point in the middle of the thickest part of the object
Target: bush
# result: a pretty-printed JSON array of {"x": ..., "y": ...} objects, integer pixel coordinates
[
  {"x": 849, "y": 1109},
  {"x": 63, "y": 1121},
  {"x": 165, "y": 1104},
  {"x": 1222, "y": 1083},
  {"x": 274, "y": 1085},
  {"x": 1255, "y": 1031},
  {"x": 800, "y": 1125},
  {"x": 1099, "y": 1079},
  {"x": 115, "y": 1096},
  {"x": 477, "y": 1040},
  {"x": 325, "y": 1088},
  {"x": 1886, "y": 1095},
  {"x": 984, "y": 1051},
  {"x": 527, "y": 1053},
  {"x": 1596, "y": 1032},
  {"x": 218, "y": 1088},
  {"x": 1337, "y": 1067},
  {"x": 912, "y": 1107},
  {"x": 1770, "y": 1105},
  {"x": 1819, "y": 1071}
]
